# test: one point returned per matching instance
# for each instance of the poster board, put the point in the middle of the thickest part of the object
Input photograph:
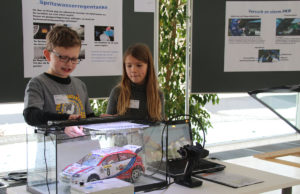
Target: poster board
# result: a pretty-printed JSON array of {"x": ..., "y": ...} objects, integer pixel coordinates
[{"x": 223, "y": 62}]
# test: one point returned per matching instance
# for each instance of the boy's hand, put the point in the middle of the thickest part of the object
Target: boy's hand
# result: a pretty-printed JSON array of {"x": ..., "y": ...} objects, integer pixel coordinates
[
  {"x": 105, "y": 115},
  {"x": 74, "y": 117},
  {"x": 74, "y": 131}
]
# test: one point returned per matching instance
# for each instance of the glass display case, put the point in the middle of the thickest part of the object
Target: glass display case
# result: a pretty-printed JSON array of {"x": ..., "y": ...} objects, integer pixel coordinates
[{"x": 110, "y": 148}]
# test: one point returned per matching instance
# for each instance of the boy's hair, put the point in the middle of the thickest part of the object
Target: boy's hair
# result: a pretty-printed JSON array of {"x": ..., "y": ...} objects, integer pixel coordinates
[
  {"x": 62, "y": 36},
  {"x": 142, "y": 53}
]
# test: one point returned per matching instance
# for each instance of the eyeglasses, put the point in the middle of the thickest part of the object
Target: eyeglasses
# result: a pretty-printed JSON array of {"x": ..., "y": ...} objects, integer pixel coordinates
[{"x": 66, "y": 59}]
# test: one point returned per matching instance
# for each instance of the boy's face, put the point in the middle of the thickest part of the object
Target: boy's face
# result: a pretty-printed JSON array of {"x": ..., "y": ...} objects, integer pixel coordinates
[
  {"x": 136, "y": 70},
  {"x": 62, "y": 60}
]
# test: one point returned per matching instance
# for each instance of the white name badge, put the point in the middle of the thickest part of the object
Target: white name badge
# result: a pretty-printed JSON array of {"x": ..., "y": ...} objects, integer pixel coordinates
[
  {"x": 60, "y": 99},
  {"x": 134, "y": 104}
]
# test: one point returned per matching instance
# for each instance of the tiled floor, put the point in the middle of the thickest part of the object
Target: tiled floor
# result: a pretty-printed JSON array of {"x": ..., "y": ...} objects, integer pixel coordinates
[{"x": 250, "y": 151}]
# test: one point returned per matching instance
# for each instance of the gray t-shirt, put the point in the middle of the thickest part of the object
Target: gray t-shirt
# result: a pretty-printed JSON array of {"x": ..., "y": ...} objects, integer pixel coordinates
[
  {"x": 49, "y": 95},
  {"x": 138, "y": 107}
]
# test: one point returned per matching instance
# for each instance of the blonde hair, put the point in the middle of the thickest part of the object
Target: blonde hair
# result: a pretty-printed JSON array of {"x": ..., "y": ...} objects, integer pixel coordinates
[{"x": 142, "y": 53}]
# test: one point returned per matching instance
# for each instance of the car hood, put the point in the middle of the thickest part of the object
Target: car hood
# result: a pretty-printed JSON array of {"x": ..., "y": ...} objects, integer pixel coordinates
[{"x": 77, "y": 169}]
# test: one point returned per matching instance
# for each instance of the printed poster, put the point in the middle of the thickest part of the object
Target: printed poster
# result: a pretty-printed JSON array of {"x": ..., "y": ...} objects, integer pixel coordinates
[
  {"x": 262, "y": 36},
  {"x": 98, "y": 23}
]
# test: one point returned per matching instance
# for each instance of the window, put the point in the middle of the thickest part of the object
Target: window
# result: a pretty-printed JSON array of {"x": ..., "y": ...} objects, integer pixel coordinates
[
  {"x": 110, "y": 159},
  {"x": 125, "y": 156}
]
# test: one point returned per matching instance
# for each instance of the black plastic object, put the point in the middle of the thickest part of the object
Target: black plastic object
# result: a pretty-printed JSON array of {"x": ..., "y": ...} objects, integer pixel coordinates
[{"x": 192, "y": 154}]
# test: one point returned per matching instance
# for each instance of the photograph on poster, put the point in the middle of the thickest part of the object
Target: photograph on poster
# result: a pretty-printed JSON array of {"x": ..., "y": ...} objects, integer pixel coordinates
[
  {"x": 268, "y": 55},
  {"x": 104, "y": 33},
  {"x": 78, "y": 28},
  {"x": 288, "y": 26},
  {"x": 244, "y": 27},
  {"x": 40, "y": 30},
  {"x": 38, "y": 53},
  {"x": 81, "y": 54}
]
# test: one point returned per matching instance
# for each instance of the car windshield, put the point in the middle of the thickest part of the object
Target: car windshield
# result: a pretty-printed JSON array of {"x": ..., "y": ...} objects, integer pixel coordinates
[{"x": 90, "y": 160}]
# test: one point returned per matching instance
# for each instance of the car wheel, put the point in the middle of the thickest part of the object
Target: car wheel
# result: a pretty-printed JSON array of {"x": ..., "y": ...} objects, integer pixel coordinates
[
  {"x": 135, "y": 174},
  {"x": 93, "y": 177}
]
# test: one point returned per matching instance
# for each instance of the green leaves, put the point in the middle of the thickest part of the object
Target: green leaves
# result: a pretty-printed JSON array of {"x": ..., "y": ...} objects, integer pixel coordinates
[
  {"x": 99, "y": 106},
  {"x": 172, "y": 58}
]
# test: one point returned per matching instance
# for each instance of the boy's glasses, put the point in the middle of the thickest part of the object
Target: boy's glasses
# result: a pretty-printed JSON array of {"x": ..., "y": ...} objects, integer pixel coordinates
[{"x": 66, "y": 59}]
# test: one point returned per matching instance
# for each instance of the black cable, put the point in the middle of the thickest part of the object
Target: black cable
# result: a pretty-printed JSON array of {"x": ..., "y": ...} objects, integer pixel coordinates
[
  {"x": 167, "y": 144},
  {"x": 159, "y": 188},
  {"x": 46, "y": 164}
]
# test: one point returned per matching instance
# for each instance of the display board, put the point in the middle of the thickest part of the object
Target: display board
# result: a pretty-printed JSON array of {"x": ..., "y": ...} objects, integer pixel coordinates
[
  {"x": 137, "y": 27},
  {"x": 224, "y": 60}
]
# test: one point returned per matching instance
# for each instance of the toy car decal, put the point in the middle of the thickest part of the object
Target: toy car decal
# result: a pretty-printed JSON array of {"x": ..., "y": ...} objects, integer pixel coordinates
[
  {"x": 75, "y": 169},
  {"x": 67, "y": 167},
  {"x": 107, "y": 166},
  {"x": 83, "y": 170},
  {"x": 121, "y": 167},
  {"x": 130, "y": 164}
]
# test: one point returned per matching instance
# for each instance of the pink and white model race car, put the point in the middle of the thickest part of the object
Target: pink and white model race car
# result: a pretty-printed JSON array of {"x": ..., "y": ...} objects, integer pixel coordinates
[{"x": 120, "y": 162}]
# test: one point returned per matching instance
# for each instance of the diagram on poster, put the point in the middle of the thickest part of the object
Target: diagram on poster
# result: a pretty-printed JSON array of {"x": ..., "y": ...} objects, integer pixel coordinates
[
  {"x": 262, "y": 36},
  {"x": 98, "y": 23}
]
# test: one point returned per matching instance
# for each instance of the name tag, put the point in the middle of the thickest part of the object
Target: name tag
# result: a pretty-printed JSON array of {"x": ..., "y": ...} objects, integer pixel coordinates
[
  {"x": 60, "y": 99},
  {"x": 134, "y": 104}
]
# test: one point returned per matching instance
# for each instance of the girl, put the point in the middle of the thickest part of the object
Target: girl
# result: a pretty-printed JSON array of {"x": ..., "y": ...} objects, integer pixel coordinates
[{"x": 137, "y": 95}]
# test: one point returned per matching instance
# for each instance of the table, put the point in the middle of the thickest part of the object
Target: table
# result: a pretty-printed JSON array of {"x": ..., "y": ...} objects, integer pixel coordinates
[{"x": 271, "y": 182}]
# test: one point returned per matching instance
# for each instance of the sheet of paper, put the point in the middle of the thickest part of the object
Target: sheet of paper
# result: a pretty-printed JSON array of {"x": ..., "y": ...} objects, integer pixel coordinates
[
  {"x": 229, "y": 179},
  {"x": 144, "y": 5},
  {"x": 115, "y": 126}
]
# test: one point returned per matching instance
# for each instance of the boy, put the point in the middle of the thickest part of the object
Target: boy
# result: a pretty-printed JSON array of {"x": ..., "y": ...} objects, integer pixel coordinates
[{"x": 54, "y": 95}]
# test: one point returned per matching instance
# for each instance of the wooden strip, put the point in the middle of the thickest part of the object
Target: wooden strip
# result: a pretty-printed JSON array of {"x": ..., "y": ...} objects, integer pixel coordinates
[
  {"x": 278, "y": 153},
  {"x": 284, "y": 162},
  {"x": 272, "y": 156}
]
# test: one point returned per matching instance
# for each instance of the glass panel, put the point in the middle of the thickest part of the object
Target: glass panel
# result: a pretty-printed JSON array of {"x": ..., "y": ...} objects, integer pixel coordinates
[
  {"x": 283, "y": 101},
  {"x": 41, "y": 164}
]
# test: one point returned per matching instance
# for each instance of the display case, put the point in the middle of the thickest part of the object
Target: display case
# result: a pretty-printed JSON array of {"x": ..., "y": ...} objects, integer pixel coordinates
[{"x": 110, "y": 148}]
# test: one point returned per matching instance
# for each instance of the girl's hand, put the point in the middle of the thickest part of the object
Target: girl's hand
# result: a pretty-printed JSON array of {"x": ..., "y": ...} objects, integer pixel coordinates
[
  {"x": 74, "y": 117},
  {"x": 74, "y": 131}
]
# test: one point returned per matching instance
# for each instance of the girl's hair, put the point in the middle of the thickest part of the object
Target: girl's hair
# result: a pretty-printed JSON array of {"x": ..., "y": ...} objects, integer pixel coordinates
[
  {"x": 62, "y": 36},
  {"x": 142, "y": 53}
]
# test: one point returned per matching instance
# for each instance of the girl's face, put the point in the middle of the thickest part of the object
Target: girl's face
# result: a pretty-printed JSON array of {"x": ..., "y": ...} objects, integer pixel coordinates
[{"x": 136, "y": 70}]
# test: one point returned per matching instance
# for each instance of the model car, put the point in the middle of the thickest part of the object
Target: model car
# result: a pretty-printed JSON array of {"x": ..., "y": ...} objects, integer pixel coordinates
[{"x": 120, "y": 162}]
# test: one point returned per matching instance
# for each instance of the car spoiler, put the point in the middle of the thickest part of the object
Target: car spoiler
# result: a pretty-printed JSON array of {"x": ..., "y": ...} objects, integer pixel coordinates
[{"x": 133, "y": 148}]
